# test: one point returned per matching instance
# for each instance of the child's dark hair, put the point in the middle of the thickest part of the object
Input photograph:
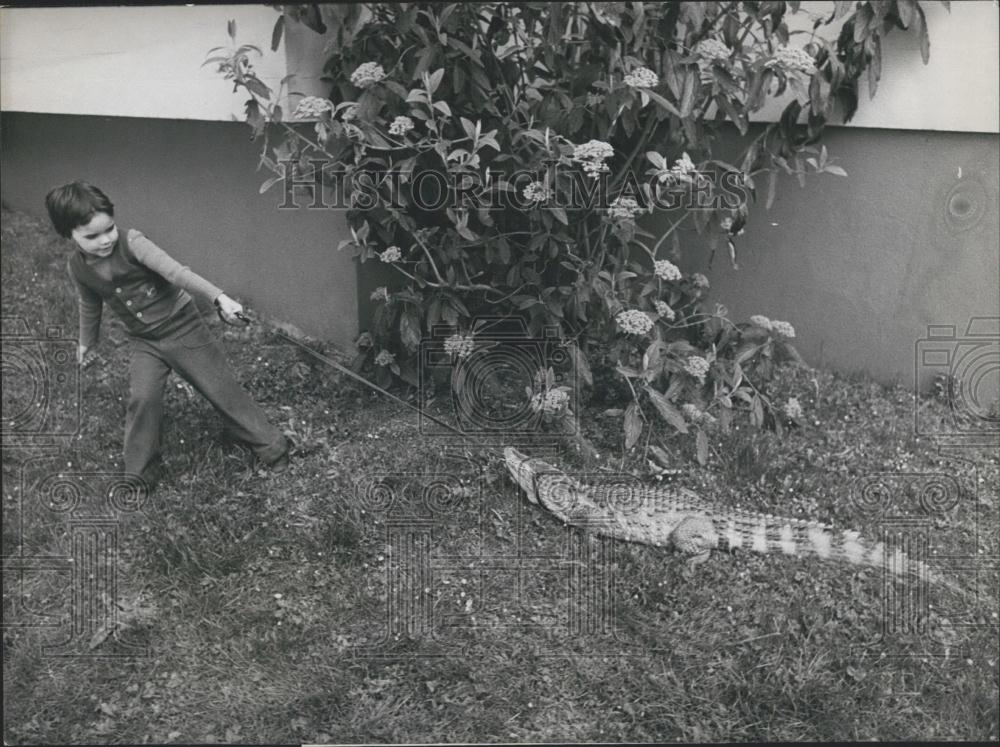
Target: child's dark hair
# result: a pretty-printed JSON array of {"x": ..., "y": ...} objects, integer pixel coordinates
[{"x": 74, "y": 204}]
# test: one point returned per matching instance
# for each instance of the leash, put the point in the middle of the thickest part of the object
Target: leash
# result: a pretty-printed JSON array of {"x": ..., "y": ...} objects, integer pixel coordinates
[{"x": 344, "y": 370}]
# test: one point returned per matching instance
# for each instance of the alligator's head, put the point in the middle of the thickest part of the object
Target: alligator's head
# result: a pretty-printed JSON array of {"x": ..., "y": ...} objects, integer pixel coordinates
[
  {"x": 521, "y": 471},
  {"x": 560, "y": 491}
]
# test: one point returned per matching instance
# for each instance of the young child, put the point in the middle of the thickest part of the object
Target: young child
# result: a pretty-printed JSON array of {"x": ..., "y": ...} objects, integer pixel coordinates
[{"x": 152, "y": 294}]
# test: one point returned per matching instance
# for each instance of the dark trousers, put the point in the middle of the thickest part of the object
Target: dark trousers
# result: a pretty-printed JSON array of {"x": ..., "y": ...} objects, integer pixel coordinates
[{"x": 186, "y": 345}]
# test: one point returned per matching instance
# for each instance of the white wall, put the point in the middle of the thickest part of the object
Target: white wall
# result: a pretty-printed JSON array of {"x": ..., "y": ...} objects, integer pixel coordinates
[
  {"x": 958, "y": 90},
  {"x": 144, "y": 62},
  {"x": 128, "y": 61}
]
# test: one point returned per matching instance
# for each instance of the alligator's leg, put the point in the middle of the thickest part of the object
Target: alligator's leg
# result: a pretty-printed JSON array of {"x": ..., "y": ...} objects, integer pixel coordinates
[
  {"x": 695, "y": 536},
  {"x": 698, "y": 559}
]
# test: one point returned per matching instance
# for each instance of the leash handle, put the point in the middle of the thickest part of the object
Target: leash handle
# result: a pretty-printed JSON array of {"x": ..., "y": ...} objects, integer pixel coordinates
[{"x": 239, "y": 315}]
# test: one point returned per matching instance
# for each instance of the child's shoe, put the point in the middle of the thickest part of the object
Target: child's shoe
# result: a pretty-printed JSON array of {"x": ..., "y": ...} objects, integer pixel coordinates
[{"x": 279, "y": 465}]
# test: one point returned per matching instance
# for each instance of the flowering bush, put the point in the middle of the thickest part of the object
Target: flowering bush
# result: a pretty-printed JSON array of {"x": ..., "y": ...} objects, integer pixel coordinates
[{"x": 550, "y": 128}]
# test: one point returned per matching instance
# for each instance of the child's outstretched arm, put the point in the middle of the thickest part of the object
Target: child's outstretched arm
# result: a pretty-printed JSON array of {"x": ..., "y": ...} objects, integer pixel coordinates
[
  {"x": 91, "y": 307},
  {"x": 170, "y": 269}
]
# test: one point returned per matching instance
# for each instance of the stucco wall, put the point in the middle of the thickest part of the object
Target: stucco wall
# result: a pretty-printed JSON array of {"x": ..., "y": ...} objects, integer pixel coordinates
[
  {"x": 191, "y": 187},
  {"x": 958, "y": 89},
  {"x": 129, "y": 61},
  {"x": 862, "y": 265}
]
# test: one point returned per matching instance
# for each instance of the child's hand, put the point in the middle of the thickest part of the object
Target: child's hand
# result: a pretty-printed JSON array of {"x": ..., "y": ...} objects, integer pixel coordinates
[{"x": 230, "y": 311}]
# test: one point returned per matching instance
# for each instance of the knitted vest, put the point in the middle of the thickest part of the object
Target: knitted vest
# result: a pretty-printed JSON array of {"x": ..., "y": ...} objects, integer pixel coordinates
[{"x": 140, "y": 297}]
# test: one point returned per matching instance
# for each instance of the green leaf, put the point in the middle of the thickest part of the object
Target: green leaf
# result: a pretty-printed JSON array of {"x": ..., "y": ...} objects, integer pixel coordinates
[
  {"x": 434, "y": 79},
  {"x": 735, "y": 116},
  {"x": 397, "y": 88},
  {"x": 661, "y": 456},
  {"x": 725, "y": 419},
  {"x": 269, "y": 183},
  {"x": 663, "y": 103},
  {"x": 560, "y": 214},
  {"x": 581, "y": 368},
  {"x": 279, "y": 27},
  {"x": 925, "y": 40},
  {"x": 842, "y": 7},
  {"x": 667, "y": 411},
  {"x": 691, "y": 85},
  {"x": 633, "y": 425},
  {"x": 258, "y": 86},
  {"x": 906, "y": 9},
  {"x": 701, "y": 448},
  {"x": 833, "y": 169},
  {"x": 409, "y": 329},
  {"x": 443, "y": 107}
]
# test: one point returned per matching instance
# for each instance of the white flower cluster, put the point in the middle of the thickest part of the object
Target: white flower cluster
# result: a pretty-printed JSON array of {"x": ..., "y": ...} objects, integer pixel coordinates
[
  {"x": 793, "y": 58},
  {"x": 380, "y": 294},
  {"x": 700, "y": 281},
  {"x": 624, "y": 208},
  {"x": 384, "y": 358},
  {"x": 460, "y": 346},
  {"x": 697, "y": 367},
  {"x": 664, "y": 310},
  {"x": 792, "y": 408},
  {"x": 595, "y": 99},
  {"x": 550, "y": 402},
  {"x": 312, "y": 106},
  {"x": 712, "y": 49},
  {"x": 592, "y": 155},
  {"x": 367, "y": 74},
  {"x": 782, "y": 329},
  {"x": 634, "y": 322},
  {"x": 683, "y": 165},
  {"x": 400, "y": 126},
  {"x": 679, "y": 171},
  {"x": 642, "y": 77},
  {"x": 392, "y": 254},
  {"x": 664, "y": 269},
  {"x": 536, "y": 192},
  {"x": 696, "y": 415}
]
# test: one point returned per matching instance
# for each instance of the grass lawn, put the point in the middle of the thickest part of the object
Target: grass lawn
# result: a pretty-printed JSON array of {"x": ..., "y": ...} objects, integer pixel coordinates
[{"x": 276, "y": 608}]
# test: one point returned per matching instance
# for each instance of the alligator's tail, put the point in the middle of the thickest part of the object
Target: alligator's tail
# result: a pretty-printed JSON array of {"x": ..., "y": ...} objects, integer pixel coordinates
[{"x": 766, "y": 534}]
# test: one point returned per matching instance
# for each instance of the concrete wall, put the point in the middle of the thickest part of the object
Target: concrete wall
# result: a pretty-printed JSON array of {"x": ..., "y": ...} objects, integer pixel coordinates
[
  {"x": 129, "y": 61},
  {"x": 862, "y": 265},
  {"x": 956, "y": 91},
  {"x": 192, "y": 188}
]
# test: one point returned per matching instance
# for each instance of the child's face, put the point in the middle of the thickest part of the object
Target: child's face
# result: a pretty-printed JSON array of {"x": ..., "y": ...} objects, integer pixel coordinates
[{"x": 98, "y": 236}]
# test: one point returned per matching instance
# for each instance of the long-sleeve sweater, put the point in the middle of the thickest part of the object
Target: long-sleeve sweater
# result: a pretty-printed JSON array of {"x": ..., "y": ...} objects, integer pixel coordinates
[{"x": 114, "y": 279}]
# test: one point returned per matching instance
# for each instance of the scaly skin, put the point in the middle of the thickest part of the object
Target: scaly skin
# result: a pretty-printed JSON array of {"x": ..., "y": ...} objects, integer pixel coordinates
[{"x": 678, "y": 518}]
